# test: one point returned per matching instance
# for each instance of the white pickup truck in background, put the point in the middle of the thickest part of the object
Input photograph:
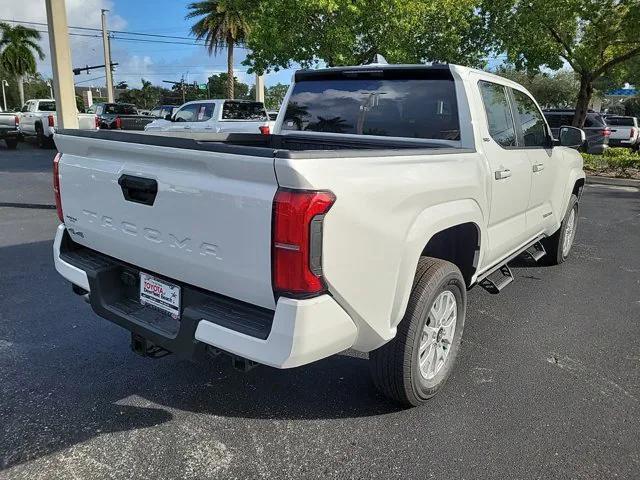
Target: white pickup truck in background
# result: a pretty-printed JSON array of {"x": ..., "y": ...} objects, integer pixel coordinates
[
  {"x": 385, "y": 192},
  {"x": 215, "y": 116},
  {"x": 38, "y": 118},
  {"x": 624, "y": 131}
]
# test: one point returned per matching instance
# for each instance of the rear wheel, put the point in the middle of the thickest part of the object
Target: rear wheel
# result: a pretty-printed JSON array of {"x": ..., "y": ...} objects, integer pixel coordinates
[
  {"x": 559, "y": 244},
  {"x": 42, "y": 140},
  {"x": 416, "y": 364},
  {"x": 12, "y": 143}
]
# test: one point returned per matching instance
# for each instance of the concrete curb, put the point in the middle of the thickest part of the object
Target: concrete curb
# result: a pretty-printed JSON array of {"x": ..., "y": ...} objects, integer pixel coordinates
[{"x": 621, "y": 182}]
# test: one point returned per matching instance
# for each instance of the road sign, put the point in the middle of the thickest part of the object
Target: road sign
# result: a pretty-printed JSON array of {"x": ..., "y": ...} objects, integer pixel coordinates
[{"x": 202, "y": 86}]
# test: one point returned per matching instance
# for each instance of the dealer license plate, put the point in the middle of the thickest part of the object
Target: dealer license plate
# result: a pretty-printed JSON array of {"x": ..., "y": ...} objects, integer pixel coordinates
[{"x": 160, "y": 294}]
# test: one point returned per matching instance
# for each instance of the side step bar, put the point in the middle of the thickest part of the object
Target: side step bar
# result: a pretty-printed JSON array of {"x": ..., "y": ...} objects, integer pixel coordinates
[
  {"x": 498, "y": 280},
  {"x": 536, "y": 251},
  {"x": 499, "y": 277}
]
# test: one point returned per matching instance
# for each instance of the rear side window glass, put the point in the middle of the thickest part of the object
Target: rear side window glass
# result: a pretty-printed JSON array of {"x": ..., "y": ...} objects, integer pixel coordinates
[
  {"x": 250, "y": 111},
  {"x": 531, "y": 120},
  {"x": 47, "y": 106},
  {"x": 499, "y": 118},
  {"x": 410, "y": 108},
  {"x": 204, "y": 112}
]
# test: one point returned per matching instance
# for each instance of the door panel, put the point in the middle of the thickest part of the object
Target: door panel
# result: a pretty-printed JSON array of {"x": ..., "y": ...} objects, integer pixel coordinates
[
  {"x": 534, "y": 134},
  {"x": 510, "y": 174}
]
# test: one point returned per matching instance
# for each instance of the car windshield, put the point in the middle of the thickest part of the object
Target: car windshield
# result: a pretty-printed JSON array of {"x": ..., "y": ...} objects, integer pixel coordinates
[
  {"x": 414, "y": 108},
  {"x": 120, "y": 109},
  {"x": 244, "y": 111},
  {"x": 47, "y": 106}
]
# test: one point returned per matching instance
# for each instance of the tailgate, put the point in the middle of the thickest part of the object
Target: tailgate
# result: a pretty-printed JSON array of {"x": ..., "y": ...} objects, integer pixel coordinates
[
  {"x": 209, "y": 224},
  {"x": 135, "y": 123}
]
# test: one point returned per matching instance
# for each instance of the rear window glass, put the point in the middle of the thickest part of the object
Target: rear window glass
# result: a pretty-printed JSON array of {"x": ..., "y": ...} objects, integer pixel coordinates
[
  {"x": 47, "y": 106},
  {"x": 557, "y": 120},
  {"x": 120, "y": 109},
  {"x": 413, "y": 108},
  {"x": 621, "y": 121},
  {"x": 244, "y": 111},
  {"x": 594, "y": 120}
]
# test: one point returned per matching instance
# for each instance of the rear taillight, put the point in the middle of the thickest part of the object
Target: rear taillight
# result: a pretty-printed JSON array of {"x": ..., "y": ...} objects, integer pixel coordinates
[
  {"x": 56, "y": 185},
  {"x": 606, "y": 132},
  {"x": 17, "y": 118},
  {"x": 118, "y": 123},
  {"x": 51, "y": 121},
  {"x": 632, "y": 133},
  {"x": 97, "y": 123},
  {"x": 264, "y": 129},
  {"x": 298, "y": 217}
]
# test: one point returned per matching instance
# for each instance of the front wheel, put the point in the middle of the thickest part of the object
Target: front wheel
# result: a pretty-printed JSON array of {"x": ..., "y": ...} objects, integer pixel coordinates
[
  {"x": 416, "y": 364},
  {"x": 558, "y": 245}
]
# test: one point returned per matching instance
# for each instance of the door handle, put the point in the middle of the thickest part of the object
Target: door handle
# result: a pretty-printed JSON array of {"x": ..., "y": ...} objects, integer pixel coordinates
[
  {"x": 538, "y": 167},
  {"x": 502, "y": 174},
  {"x": 138, "y": 189}
]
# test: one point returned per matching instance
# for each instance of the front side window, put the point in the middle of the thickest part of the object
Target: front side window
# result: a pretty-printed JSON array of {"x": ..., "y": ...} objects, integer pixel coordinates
[
  {"x": 531, "y": 121},
  {"x": 393, "y": 107},
  {"x": 188, "y": 113},
  {"x": 250, "y": 111},
  {"x": 26, "y": 107},
  {"x": 499, "y": 118}
]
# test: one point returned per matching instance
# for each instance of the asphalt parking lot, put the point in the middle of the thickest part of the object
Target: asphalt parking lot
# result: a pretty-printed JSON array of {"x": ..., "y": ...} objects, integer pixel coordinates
[{"x": 547, "y": 385}]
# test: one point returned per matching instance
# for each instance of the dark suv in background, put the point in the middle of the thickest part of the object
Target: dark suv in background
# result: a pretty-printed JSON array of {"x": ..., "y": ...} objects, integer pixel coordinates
[{"x": 595, "y": 127}]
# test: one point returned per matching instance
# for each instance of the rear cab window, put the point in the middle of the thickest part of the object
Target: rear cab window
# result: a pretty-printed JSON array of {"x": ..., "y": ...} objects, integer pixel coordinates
[
  {"x": 412, "y": 104},
  {"x": 120, "y": 109},
  {"x": 47, "y": 106},
  {"x": 247, "y": 111},
  {"x": 620, "y": 121}
]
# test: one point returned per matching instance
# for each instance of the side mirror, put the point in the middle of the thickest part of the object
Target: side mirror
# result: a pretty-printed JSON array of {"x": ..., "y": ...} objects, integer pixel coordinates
[
  {"x": 572, "y": 137},
  {"x": 168, "y": 117}
]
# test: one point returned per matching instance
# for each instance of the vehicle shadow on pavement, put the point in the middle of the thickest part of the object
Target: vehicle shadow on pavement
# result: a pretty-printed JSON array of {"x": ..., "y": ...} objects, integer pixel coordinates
[{"x": 67, "y": 375}]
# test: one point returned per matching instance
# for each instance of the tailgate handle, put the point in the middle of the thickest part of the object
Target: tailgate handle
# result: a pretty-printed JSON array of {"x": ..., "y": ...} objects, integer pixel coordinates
[{"x": 138, "y": 189}]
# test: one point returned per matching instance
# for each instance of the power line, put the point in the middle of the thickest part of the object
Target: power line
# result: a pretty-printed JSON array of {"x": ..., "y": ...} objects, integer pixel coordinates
[
  {"x": 124, "y": 32},
  {"x": 90, "y": 79}
]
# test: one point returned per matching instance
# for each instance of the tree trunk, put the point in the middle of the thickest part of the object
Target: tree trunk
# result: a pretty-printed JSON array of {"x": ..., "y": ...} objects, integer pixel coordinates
[
  {"x": 584, "y": 97},
  {"x": 230, "y": 68},
  {"x": 21, "y": 89}
]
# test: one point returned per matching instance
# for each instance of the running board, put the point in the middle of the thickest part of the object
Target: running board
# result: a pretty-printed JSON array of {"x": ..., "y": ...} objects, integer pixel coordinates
[
  {"x": 498, "y": 280},
  {"x": 536, "y": 251}
]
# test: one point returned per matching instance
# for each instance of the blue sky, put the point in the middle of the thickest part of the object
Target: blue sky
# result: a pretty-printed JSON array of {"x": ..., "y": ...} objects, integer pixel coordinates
[{"x": 153, "y": 61}]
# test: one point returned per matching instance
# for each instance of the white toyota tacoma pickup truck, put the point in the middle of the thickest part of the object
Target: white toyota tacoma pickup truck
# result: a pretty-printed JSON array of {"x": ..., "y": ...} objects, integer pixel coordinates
[
  {"x": 38, "y": 118},
  {"x": 383, "y": 195}
]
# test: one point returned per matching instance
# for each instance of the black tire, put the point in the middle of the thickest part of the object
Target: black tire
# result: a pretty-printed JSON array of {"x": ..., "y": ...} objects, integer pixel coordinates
[
  {"x": 395, "y": 366},
  {"x": 553, "y": 244},
  {"x": 12, "y": 143}
]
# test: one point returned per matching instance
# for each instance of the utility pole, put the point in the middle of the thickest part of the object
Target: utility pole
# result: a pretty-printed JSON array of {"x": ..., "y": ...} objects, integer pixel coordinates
[
  {"x": 61, "y": 64},
  {"x": 182, "y": 87},
  {"x": 107, "y": 57},
  {"x": 259, "y": 88}
]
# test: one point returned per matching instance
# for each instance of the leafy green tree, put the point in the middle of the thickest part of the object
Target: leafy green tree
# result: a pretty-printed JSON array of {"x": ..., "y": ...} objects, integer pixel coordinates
[
  {"x": 593, "y": 36},
  {"x": 551, "y": 90},
  {"x": 217, "y": 86},
  {"x": 18, "y": 50},
  {"x": 146, "y": 97},
  {"x": 348, "y": 32},
  {"x": 274, "y": 95},
  {"x": 221, "y": 23}
]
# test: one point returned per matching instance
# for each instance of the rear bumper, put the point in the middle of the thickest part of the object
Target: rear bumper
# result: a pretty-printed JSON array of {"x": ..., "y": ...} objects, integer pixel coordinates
[
  {"x": 297, "y": 333},
  {"x": 614, "y": 142},
  {"x": 8, "y": 133}
]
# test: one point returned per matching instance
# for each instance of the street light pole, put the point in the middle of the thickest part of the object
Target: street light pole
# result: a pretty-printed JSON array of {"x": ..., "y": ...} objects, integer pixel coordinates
[
  {"x": 4, "y": 97},
  {"x": 107, "y": 57}
]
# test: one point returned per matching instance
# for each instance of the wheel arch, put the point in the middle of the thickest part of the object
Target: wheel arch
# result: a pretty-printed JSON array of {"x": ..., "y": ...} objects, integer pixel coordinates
[{"x": 442, "y": 231}]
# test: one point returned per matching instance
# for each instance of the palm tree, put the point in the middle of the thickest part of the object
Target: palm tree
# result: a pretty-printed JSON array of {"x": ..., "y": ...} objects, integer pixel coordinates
[
  {"x": 221, "y": 24},
  {"x": 18, "y": 48}
]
